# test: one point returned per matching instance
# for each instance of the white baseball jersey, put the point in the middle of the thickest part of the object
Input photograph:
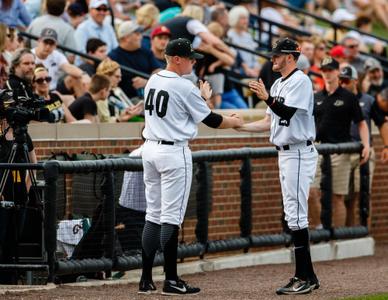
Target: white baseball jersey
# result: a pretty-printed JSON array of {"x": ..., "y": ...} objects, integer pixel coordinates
[
  {"x": 296, "y": 91},
  {"x": 173, "y": 108}
]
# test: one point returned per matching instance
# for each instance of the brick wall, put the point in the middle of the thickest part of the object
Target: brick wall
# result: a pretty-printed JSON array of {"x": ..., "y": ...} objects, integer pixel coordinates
[{"x": 224, "y": 217}]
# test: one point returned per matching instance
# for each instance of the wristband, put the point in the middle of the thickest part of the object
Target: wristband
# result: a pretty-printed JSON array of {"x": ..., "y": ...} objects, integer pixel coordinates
[{"x": 270, "y": 101}]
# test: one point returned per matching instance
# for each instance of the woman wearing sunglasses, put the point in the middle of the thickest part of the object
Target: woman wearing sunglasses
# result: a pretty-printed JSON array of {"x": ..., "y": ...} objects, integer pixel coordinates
[{"x": 41, "y": 84}]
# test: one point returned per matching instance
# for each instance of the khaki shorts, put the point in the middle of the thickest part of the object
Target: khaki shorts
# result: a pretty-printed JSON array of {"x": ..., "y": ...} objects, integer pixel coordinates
[
  {"x": 340, "y": 168},
  {"x": 355, "y": 169}
]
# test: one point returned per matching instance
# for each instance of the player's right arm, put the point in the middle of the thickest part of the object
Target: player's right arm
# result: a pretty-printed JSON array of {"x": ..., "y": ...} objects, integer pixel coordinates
[{"x": 257, "y": 126}]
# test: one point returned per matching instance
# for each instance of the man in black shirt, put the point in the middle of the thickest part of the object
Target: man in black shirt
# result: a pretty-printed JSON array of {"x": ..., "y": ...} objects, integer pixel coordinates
[
  {"x": 381, "y": 108},
  {"x": 335, "y": 109},
  {"x": 85, "y": 107}
]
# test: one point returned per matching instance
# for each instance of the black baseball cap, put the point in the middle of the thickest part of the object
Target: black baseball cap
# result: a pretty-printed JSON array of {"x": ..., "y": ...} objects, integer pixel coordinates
[
  {"x": 183, "y": 48},
  {"x": 329, "y": 63},
  {"x": 348, "y": 72},
  {"x": 285, "y": 46}
]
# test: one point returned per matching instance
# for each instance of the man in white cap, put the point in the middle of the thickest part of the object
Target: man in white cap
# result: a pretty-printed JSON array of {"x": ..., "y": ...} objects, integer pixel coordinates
[
  {"x": 95, "y": 27},
  {"x": 129, "y": 53}
]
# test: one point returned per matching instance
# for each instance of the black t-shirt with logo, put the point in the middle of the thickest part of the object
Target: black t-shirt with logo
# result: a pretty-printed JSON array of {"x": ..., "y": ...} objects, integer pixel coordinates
[{"x": 334, "y": 114}]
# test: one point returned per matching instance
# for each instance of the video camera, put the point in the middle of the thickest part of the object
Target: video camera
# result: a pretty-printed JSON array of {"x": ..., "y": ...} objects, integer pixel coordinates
[{"x": 20, "y": 110}]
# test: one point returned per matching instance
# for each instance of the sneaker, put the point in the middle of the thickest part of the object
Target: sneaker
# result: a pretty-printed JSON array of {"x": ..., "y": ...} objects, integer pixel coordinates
[
  {"x": 146, "y": 287},
  {"x": 294, "y": 287},
  {"x": 172, "y": 287},
  {"x": 314, "y": 283}
]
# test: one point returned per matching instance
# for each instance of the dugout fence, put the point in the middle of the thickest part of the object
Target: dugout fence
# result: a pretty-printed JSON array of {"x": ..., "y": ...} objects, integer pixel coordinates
[{"x": 102, "y": 254}]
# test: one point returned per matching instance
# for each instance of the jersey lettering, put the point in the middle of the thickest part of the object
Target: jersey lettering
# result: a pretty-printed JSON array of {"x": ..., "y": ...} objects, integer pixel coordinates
[{"x": 160, "y": 105}]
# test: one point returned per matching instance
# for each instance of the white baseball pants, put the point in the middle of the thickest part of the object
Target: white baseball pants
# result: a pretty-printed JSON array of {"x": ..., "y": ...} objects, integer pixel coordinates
[
  {"x": 297, "y": 168},
  {"x": 167, "y": 178}
]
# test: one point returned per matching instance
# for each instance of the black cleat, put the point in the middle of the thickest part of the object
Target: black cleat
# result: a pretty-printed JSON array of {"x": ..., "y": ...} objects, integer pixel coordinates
[
  {"x": 146, "y": 287},
  {"x": 296, "y": 286},
  {"x": 172, "y": 287}
]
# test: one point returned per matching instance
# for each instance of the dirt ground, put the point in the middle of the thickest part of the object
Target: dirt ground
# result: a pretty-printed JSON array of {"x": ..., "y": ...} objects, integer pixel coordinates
[{"x": 351, "y": 277}]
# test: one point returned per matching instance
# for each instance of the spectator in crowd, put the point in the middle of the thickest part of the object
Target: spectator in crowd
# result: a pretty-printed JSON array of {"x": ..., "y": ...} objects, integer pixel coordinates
[
  {"x": 95, "y": 27},
  {"x": 14, "y": 14},
  {"x": 170, "y": 9},
  {"x": 307, "y": 48},
  {"x": 97, "y": 49},
  {"x": 335, "y": 109},
  {"x": 210, "y": 68},
  {"x": 52, "y": 59},
  {"x": 53, "y": 102},
  {"x": 117, "y": 107},
  {"x": 319, "y": 54},
  {"x": 349, "y": 80},
  {"x": 382, "y": 104},
  {"x": 353, "y": 55},
  {"x": 238, "y": 34},
  {"x": 338, "y": 52},
  {"x": 343, "y": 17},
  {"x": 364, "y": 23},
  {"x": 303, "y": 64},
  {"x": 34, "y": 7},
  {"x": 21, "y": 73},
  {"x": 373, "y": 81},
  {"x": 132, "y": 206},
  {"x": 11, "y": 43},
  {"x": 75, "y": 14},
  {"x": 147, "y": 16},
  {"x": 189, "y": 28},
  {"x": 130, "y": 54},
  {"x": 85, "y": 107},
  {"x": 221, "y": 16},
  {"x": 65, "y": 33},
  {"x": 160, "y": 37}
]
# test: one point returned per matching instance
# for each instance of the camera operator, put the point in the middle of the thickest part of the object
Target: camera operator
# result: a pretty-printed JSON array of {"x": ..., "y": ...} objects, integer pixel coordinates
[{"x": 21, "y": 73}]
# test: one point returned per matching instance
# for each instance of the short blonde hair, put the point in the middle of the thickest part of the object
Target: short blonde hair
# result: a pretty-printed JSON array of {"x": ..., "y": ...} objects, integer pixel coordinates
[
  {"x": 107, "y": 67},
  {"x": 236, "y": 13},
  {"x": 193, "y": 11},
  {"x": 216, "y": 28},
  {"x": 147, "y": 15}
]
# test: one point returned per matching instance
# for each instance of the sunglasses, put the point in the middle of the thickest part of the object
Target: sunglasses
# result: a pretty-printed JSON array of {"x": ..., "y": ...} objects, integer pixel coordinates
[
  {"x": 44, "y": 79},
  {"x": 102, "y": 8},
  {"x": 352, "y": 46}
]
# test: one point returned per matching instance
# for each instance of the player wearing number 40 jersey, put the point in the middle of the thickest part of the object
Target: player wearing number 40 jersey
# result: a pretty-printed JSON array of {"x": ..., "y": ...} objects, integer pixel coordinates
[{"x": 173, "y": 109}]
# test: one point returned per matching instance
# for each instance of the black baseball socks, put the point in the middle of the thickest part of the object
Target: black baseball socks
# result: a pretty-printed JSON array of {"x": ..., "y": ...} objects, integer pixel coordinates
[
  {"x": 150, "y": 243},
  {"x": 303, "y": 265},
  {"x": 169, "y": 243}
]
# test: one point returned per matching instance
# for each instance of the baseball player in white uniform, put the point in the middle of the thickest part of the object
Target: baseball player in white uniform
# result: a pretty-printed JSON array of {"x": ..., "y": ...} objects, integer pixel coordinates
[
  {"x": 289, "y": 117},
  {"x": 173, "y": 109}
]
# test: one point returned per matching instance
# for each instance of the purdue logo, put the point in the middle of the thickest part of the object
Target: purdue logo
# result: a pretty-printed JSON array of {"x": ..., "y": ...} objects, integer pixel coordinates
[
  {"x": 327, "y": 60},
  {"x": 338, "y": 103}
]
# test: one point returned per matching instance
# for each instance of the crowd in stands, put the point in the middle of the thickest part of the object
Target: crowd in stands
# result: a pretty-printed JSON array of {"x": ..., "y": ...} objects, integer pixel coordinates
[{"x": 125, "y": 41}]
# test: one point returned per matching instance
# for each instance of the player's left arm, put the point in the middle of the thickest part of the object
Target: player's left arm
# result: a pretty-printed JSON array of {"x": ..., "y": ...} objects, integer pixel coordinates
[
  {"x": 282, "y": 110},
  {"x": 364, "y": 135}
]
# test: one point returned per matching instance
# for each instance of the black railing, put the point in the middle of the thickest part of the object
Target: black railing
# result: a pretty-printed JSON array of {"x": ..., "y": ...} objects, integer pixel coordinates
[{"x": 203, "y": 245}]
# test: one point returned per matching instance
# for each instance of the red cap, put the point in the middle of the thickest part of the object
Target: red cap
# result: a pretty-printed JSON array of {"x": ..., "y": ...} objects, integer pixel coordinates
[
  {"x": 160, "y": 30},
  {"x": 338, "y": 51}
]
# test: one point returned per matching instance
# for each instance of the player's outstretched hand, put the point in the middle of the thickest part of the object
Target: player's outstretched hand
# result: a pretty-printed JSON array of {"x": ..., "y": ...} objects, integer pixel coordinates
[
  {"x": 258, "y": 88},
  {"x": 206, "y": 90}
]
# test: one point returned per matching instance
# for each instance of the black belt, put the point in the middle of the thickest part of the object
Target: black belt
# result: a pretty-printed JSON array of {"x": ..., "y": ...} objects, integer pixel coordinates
[
  {"x": 164, "y": 142},
  {"x": 287, "y": 147}
]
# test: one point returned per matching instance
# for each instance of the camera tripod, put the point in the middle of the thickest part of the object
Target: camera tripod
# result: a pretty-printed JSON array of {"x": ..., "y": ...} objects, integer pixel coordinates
[{"x": 14, "y": 211}]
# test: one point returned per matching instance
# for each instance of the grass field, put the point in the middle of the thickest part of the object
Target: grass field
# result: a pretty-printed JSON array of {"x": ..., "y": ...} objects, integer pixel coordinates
[{"x": 371, "y": 297}]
